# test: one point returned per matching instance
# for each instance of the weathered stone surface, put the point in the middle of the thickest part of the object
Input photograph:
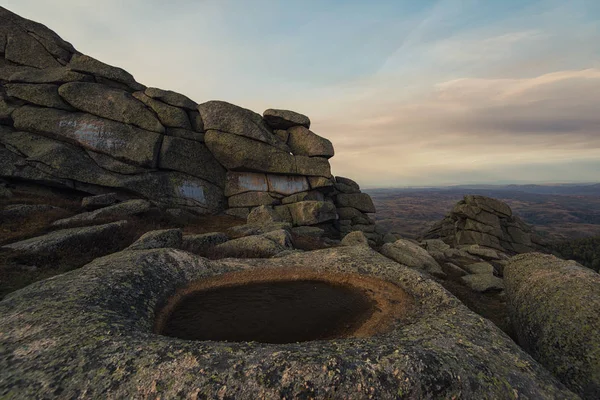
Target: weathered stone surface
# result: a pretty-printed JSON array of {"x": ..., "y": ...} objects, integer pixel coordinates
[
  {"x": 20, "y": 211},
  {"x": 47, "y": 75},
  {"x": 356, "y": 238},
  {"x": 319, "y": 182},
  {"x": 252, "y": 199},
  {"x": 304, "y": 142},
  {"x": 360, "y": 201},
  {"x": 196, "y": 121},
  {"x": 22, "y": 48},
  {"x": 282, "y": 237},
  {"x": 168, "y": 115},
  {"x": 256, "y": 246},
  {"x": 435, "y": 245},
  {"x": 310, "y": 231},
  {"x": 171, "y": 98},
  {"x": 453, "y": 269},
  {"x": 185, "y": 134},
  {"x": 284, "y": 119},
  {"x": 411, "y": 255},
  {"x": 553, "y": 305},
  {"x": 312, "y": 212},
  {"x": 65, "y": 239},
  {"x": 99, "y": 201},
  {"x": 164, "y": 238},
  {"x": 348, "y": 213},
  {"x": 201, "y": 243},
  {"x": 117, "y": 211},
  {"x": 118, "y": 140},
  {"x": 190, "y": 157},
  {"x": 117, "y": 105},
  {"x": 89, "y": 65},
  {"x": 347, "y": 182},
  {"x": 256, "y": 229},
  {"x": 229, "y": 118},
  {"x": 110, "y": 306},
  {"x": 480, "y": 268},
  {"x": 482, "y": 282},
  {"x": 40, "y": 94},
  {"x": 287, "y": 185},
  {"x": 241, "y": 182},
  {"x": 238, "y": 212},
  {"x": 480, "y": 238},
  {"x": 237, "y": 152},
  {"x": 343, "y": 188},
  {"x": 390, "y": 238},
  {"x": 108, "y": 163},
  {"x": 477, "y": 250},
  {"x": 489, "y": 204},
  {"x": 6, "y": 111},
  {"x": 303, "y": 196},
  {"x": 264, "y": 215},
  {"x": 281, "y": 134},
  {"x": 313, "y": 166}
]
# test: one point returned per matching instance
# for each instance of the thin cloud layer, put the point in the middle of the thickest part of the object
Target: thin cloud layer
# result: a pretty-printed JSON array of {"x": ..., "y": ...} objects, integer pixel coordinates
[{"x": 410, "y": 93}]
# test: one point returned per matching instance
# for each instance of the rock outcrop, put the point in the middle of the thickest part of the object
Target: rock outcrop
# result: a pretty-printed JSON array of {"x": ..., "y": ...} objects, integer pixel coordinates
[
  {"x": 487, "y": 222},
  {"x": 554, "y": 308},
  {"x": 90, "y": 331},
  {"x": 69, "y": 120}
]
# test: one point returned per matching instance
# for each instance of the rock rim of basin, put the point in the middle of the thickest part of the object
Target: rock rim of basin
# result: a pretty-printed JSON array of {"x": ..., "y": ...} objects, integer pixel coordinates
[{"x": 90, "y": 331}]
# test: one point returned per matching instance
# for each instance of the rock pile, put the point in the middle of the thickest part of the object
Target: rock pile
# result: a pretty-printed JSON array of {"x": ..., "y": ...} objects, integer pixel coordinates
[
  {"x": 69, "y": 120},
  {"x": 486, "y": 222}
]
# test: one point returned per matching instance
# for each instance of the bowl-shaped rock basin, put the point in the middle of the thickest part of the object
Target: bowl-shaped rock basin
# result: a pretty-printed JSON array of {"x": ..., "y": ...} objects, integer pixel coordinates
[
  {"x": 283, "y": 306},
  {"x": 90, "y": 334}
]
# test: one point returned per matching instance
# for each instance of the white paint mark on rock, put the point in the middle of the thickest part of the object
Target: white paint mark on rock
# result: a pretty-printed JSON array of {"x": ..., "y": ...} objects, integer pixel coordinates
[{"x": 193, "y": 191}]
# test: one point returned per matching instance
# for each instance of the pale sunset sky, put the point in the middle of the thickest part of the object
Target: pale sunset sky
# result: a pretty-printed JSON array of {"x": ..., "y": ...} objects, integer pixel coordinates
[{"x": 411, "y": 93}]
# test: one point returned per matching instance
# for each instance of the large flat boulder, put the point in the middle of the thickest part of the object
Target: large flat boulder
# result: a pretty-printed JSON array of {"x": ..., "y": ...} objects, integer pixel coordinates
[
  {"x": 100, "y": 318},
  {"x": 45, "y": 95},
  {"x": 312, "y": 212},
  {"x": 359, "y": 201},
  {"x": 227, "y": 117},
  {"x": 553, "y": 305},
  {"x": 240, "y": 182},
  {"x": 120, "y": 141},
  {"x": 89, "y": 65},
  {"x": 117, "y": 211},
  {"x": 168, "y": 115},
  {"x": 284, "y": 119},
  {"x": 412, "y": 255},
  {"x": 172, "y": 98},
  {"x": 304, "y": 142},
  {"x": 114, "y": 104},
  {"x": 68, "y": 239}
]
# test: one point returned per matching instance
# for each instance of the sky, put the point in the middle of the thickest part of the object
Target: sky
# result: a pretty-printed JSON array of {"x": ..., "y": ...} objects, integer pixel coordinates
[{"x": 411, "y": 93}]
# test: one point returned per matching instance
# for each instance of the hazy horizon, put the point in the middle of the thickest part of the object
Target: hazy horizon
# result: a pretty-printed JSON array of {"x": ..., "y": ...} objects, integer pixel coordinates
[{"x": 431, "y": 93}]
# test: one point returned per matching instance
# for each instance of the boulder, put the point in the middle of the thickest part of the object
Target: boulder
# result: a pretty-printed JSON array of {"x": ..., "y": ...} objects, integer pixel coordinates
[
  {"x": 453, "y": 269},
  {"x": 304, "y": 196},
  {"x": 171, "y": 98},
  {"x": 287, "y": 185},
  {"x": 117, "y": 211},
  {"x": 483, "y": 282},
  {"x": 185, "y": 134},
  {"x": 284, "y": 119},
  {"x": 196, "y": 121},
  {"x": 312, "y": 166},
  {"x": 22, "y": 48},
  {"x": 310, "y": 231},
  {"x": 434, "y": 245},
  {"x": 120, "y": 141},
  {"x": 46, "y": 75},
  {"x": 347, "y": 182},
  {"x": 389, "y": 238},
  {"x": 252, "y": 199},
  {"x": 412, "y": 255},
  {"x": 99, "y": 201},
  {"x": 229, "y": 118},
  {"x": 68, "y": 239},
  {"x": 360, "y": 201},
  {"x": 256, "y": 229},
  {"x": 257, "y": 246},
  {"x": 192, "y": 158},
  {"x": 238, "y": 212},
  {"x": 356, "y": 238},
  {"x": 480, "y": 268},
  {"x": 114, "y": 104},
  {"x": 240, "y": 182},
  {"x": 319, "y": 182},
  {"x": 237, "y": 152},
  {"x": 281, "y": 237},
  {"x": 312, "y": 212},
  {"x": 20, "y": 211},
  {"x": 304, "y": 142},
  {"x": 489, "y": 204},
  {"x": 169, "y": 116},
  {"x": 165, "y": 238},
  {"x": 479, "y": 251},
  {"x": 264, "y": 215},
  {"x": 89, "y": 65},
  {"x": 202, "y": 243},
  {"x": 45, "y": 95},
  {"x": 553, "y": 305}
]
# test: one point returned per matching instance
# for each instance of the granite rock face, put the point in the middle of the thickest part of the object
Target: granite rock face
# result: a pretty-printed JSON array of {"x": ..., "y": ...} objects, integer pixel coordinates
[
  {"x": 554, "y": 308},
  {"x": 439, "y": 350},
  {"x": 487, "y": 222},
  {"x": 69, "y": 120}
]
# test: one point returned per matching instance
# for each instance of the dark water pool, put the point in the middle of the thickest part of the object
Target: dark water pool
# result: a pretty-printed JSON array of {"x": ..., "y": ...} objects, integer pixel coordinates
[{"x": 275, "y": 312}]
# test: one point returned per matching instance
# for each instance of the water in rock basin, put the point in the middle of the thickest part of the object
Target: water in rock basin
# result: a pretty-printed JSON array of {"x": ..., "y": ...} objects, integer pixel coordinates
[{"x": 274, "y": 312}]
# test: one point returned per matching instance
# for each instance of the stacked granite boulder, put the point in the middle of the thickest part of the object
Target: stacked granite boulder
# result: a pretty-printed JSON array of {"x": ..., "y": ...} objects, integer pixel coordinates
[
  {"x": 71, "y": 121},
  {"x": 487, "y": 222},
  {"x": 353, "y": 208}
]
